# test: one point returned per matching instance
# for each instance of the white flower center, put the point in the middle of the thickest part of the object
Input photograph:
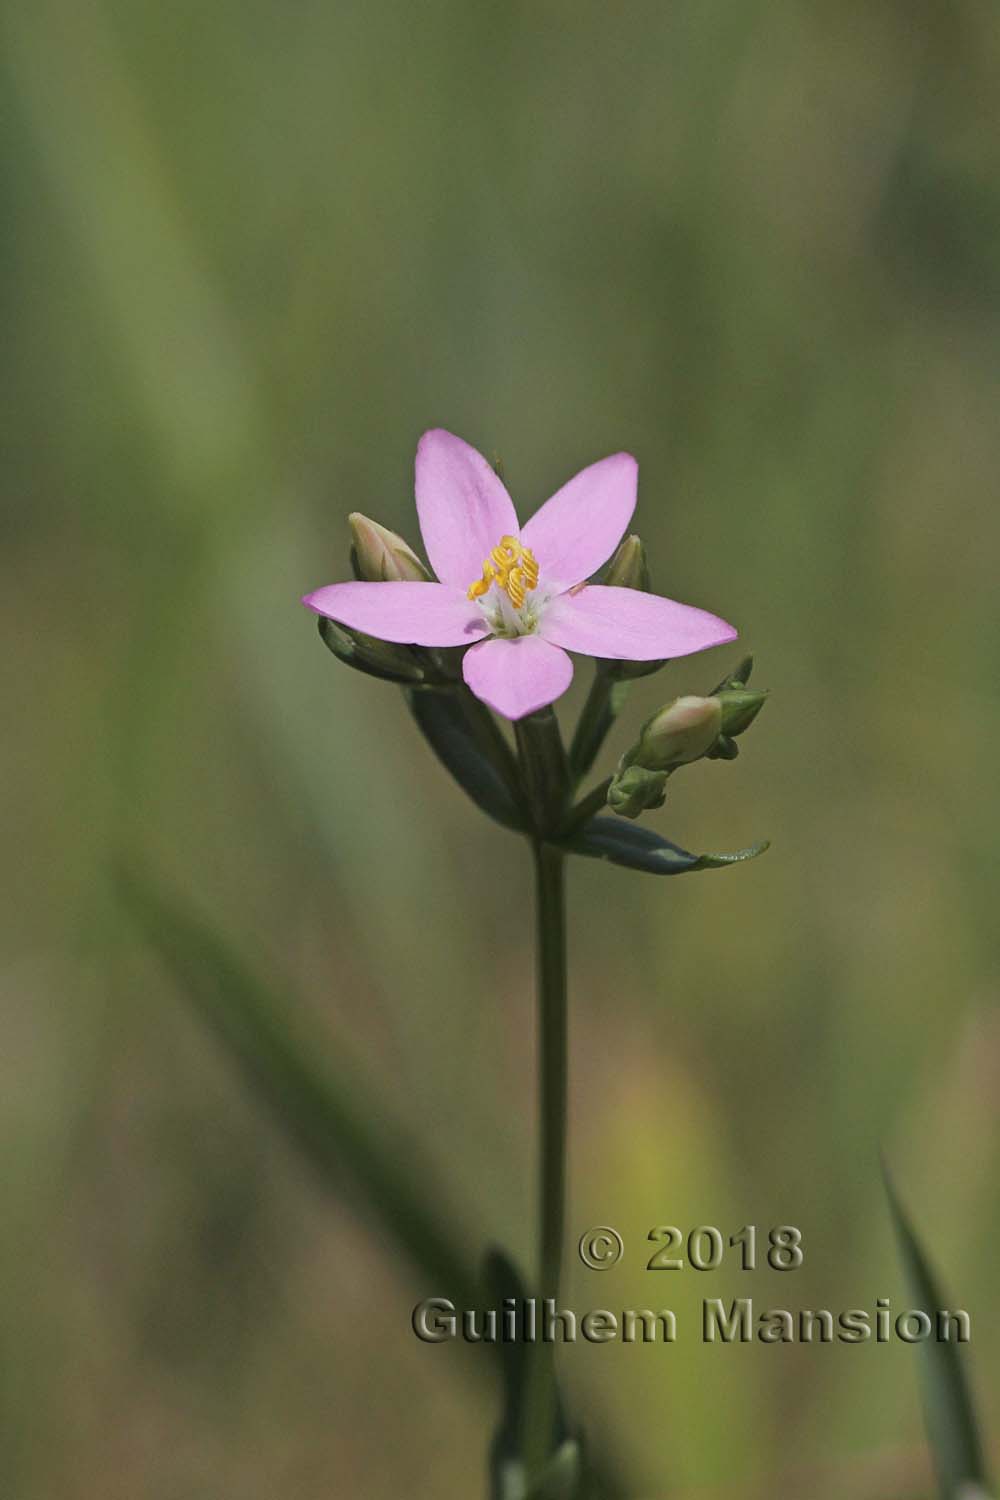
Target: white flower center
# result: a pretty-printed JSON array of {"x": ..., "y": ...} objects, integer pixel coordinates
[
  {"x": 508, "y": 592},
  {"x": 505, "y": 619}
]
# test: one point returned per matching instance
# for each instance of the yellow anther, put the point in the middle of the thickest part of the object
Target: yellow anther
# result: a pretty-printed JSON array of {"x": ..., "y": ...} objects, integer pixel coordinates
[{"x": 512, "y": 567}]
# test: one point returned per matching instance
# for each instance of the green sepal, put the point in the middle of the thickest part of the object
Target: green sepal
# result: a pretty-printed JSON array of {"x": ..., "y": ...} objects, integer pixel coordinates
[
  {"x": 636, "y": 790},
  {"x": 952, "y": 1431},
  {"x": 467, "y": 741},
  {"x": 639, "y": 848},
  {"x": 740, "y": 706},
  {"x": 736, "y": 679},
  {"x": 723, "y": 749},
  {"x": 367, "y": 654}
]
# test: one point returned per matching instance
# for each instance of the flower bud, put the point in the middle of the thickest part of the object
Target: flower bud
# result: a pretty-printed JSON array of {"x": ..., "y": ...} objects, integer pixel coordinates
[
  {"x": 682, "y": 731},
  {"x": 366, "y": 654},
  {"x": 740, "y": 706},
  {"x": 628, "y": 568},
  {"x": 380, "y": 556},
  {"x": 635, "y": 790}
]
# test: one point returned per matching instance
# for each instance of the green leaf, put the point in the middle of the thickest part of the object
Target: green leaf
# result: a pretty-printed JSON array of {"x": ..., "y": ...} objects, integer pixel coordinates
[
  {"x": 716, "y": 861},
  {"x": 951, "y": 1424},
  {"x": 640, "y": 848},
  {"x": 467, "y": 741},
  {"x": 282, "y": 1060}
]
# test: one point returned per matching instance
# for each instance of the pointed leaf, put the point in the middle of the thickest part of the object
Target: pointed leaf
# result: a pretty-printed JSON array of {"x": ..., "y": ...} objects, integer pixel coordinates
[
  {"x": 632, "y": 845},
  {"x": 951, "y": 1423},
  {"x": 716, "y": 861},
  {"x": 466, "y": 739},
  {"x": 640, "y": 848}
]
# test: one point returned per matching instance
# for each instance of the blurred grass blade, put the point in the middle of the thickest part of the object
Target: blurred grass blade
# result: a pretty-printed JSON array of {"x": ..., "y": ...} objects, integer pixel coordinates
[
  {"x": 283, "y": 1063},
  {"x": 316, "y": 1107},
  {"x": 466, "y": 740},
  {"x": 564, "y": 1475},
  {"x": 951, "y": 1423},
  {"x": 640, "y": 848},
  {"x": 502, "y": 1279}
]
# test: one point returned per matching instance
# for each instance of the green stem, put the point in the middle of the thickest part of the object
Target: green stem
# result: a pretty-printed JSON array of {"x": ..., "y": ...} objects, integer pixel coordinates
[
  {"x": 553, "y": 1067},
  {"x": 601, "y": 709},
  {"x": 541, "y": 1407},
  {"x": 544, "y": 769},
  {"x": 586, "y": 808}
]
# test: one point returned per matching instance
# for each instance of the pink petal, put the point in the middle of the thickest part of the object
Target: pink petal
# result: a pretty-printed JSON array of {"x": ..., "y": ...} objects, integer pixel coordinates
[
  {"x": 517, "y": 676},
  {"x": 414, "y": 614},
  {"x": 576, "y": 531},
  {"x": 463, "y": 506},
  {"x": 628, "y": 625}
]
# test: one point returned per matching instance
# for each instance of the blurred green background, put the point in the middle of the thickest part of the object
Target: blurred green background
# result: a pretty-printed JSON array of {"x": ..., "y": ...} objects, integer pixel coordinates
[{"x": 251, "y": 252}]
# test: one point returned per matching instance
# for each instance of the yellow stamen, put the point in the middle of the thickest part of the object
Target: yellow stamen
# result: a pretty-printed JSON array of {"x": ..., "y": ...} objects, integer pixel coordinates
[{"x": 512, "y": 567}]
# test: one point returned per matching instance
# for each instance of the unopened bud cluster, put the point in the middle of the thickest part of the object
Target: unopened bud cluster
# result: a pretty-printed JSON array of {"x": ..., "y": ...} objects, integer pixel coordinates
[
  {"x": 688, "y": 729},
  {"x": 740, "y": 706}
]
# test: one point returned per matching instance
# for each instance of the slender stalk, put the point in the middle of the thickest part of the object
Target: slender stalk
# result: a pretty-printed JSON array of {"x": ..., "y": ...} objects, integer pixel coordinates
[
  {"x": 552, "y": 1063},
  {"x": 586, "y": 808},
  {"x": 601, "y": 709},
  {"x": 544, "y": 769},
  {"x": 547, "y": 784},
  {"x": 541, "y": 1407}
]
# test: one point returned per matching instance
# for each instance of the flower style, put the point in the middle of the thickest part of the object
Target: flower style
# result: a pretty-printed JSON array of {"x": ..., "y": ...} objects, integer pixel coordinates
[{"x": 518, "y": 597}]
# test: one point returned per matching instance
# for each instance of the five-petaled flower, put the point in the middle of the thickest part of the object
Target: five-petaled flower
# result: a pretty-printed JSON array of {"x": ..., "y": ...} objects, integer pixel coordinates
[{"x": 518, "y": 596}]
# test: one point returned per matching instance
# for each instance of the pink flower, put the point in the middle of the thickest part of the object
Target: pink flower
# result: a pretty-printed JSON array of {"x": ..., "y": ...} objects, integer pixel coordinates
[{"x": 518, "y": 596}]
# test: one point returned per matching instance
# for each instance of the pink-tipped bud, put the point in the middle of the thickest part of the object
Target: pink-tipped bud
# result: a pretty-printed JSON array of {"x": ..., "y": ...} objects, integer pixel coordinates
[
  {"x": 682, "y": 731},
  {"x": 380, "y": 556}
]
